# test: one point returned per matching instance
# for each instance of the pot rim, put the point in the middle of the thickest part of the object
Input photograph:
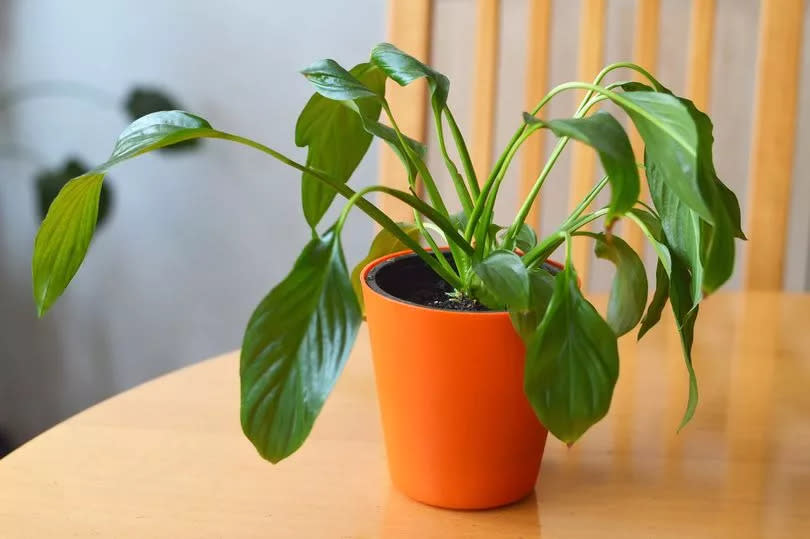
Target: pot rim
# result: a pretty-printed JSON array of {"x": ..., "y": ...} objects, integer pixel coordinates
[{"x": 410, "y": 305}]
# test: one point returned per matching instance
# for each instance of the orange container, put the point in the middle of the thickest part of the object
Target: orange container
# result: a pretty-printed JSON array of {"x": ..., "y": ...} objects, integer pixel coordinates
[{"x": 459, "y": 430}]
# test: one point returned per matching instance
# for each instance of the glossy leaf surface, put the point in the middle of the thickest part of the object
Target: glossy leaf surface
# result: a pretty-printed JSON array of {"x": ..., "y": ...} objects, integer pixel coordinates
[
  {"x": 572, "y": 363},
  {"x": 336, "y": 140},
  {"x": 404, "y": 69},
  {"x": 332, "y": 81},
  {"x": 295, "y": 346},
  {"x": 606, "y": 135},
  {"x": 504, "y": 281}
]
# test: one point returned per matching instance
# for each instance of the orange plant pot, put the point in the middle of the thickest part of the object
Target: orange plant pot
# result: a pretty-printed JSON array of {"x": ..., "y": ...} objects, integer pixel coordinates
[{"x": 459, "y": 430}]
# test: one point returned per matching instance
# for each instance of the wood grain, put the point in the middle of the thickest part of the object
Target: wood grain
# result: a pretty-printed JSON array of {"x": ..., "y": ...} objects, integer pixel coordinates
[
  {"x": 771, "y": 168},
  {"x": 409, "y": 28},
  {"x": 583, "y": 168},
  {"x": 168, "y": 459},
  {"x": 537, "y": 69},
  {"x": 486, "y": 71}
]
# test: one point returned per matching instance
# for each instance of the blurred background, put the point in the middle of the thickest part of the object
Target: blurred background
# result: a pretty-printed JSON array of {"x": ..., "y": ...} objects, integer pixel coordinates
[{"x": 194, "y": 239}]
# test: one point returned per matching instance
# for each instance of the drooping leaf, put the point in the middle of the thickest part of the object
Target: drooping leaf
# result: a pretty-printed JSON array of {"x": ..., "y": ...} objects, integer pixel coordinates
[
  {"x": 143, "y": 100},
  {"x": 685, "y": 318},
  {"x": 63, "y": 238},
  {"x": 295, "y": 346},
  {"x": 606, "y": 135},
  {"x": 671, "y": 143},
  {"x": 332, "y": 81},
  {"x": 658, "y": 301},
  {"x": 384, "y": 243},
  {"x": 541, "y": 287},
  {"x": 628, "y": 294},
  {"x": 336, "y": 140},
  {"x": 50, "y": 182},
  {"x": 504, "y": 281},
  {"x": 572, "y": 363},
  {"x": 681, "y": 226},
  {"x": 66, "y": 231},
  {"x": 404, "y": 69}
]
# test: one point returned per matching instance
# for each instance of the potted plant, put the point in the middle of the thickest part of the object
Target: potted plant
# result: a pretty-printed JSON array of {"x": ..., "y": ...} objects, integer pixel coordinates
[{"x": 478, "y": 347}]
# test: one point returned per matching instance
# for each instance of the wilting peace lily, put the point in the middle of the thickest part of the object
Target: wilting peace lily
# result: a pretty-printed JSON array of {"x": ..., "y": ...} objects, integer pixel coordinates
[{"x": 300, "y": 335}]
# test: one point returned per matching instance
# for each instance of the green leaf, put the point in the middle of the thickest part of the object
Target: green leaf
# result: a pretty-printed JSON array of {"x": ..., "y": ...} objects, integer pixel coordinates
[
  {"x": 658, "y": 301},
  {"x": 64, "y": 237},
  {"x": 404, "y": 69},
  {"x": 295, "y": 346},
  {"x": 541, "y": 287},
  {"x": 336, "y": 140},
  {"x": 332, "y": 81},
  {"x": 685, "y": 318},
  {"x": 384, "y": 243},
  {"x": 606, "y": 135},
  {"x": 526, "y": 238},
  {"x": 671, "y": 143},
  {"x": 154, "y": 131},
  {"x": 67, "y": 229},
  {"x": 504, "y": 281},
  {"x": 651, "y": 227},
  {"x": 681, "y": 226},
  {"x": 628, "y": 294},
  {"x": 143, "y": 100},
  {"x": 572, "y": 363},
  {"x": 50, "y": 182}
]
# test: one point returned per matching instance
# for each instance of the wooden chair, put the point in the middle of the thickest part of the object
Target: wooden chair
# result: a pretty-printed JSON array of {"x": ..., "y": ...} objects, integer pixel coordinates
[{"x": 774, "y": 128}]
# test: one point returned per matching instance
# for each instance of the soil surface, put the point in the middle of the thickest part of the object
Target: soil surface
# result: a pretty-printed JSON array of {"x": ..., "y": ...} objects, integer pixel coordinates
[{"x": 408, "y": 278}]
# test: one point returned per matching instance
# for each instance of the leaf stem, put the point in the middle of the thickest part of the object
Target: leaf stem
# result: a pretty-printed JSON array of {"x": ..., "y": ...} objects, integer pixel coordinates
[
  {"x": 458, "y": 181},
  {"x": 461, "y": 146},
  {"x": 370, "y": 209}
]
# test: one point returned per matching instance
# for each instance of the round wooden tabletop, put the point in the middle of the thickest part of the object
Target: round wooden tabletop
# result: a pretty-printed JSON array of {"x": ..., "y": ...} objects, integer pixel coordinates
[{"x": 168, "y": 459}]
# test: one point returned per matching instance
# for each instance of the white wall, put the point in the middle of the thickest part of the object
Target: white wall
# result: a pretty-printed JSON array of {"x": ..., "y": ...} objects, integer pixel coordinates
[{"x": 195, "y": 241}]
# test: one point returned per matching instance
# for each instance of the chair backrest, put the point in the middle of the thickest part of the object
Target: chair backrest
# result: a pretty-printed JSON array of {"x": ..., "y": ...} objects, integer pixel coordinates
[{"x": 774, "y": 126}]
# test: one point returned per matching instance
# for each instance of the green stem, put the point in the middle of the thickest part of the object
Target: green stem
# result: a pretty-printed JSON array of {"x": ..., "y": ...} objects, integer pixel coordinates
[
  {"x": 547, "y": 245},
  {"x": 458, "y": 181},
  {"x": 370, "y": 209},
  {"x": 461, "y": 146},
  {"x": 483, "y": 224},
  {"x": 582, "y": 206},
  {"x": 427, "y": 178},
  {"x": 459, "y": 257}
]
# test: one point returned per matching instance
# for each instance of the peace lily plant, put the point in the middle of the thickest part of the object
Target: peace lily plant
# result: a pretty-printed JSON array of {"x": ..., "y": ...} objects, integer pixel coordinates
[{"x": 300, "y": 335}]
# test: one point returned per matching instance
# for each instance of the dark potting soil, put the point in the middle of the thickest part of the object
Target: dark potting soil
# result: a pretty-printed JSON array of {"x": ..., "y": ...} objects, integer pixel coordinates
[{"x": 407, "y": 278}]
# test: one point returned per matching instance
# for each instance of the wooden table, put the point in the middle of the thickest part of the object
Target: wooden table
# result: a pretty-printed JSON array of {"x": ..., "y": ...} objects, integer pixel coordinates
[{"x": 167, "y": 459}]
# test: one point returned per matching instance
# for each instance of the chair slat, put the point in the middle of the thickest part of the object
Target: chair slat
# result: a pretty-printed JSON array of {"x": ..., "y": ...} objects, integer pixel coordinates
[
  {"x": 409, "y": 28},
  {"x": 485, "y": 84},
  {"x": 583, "y": 170},
  {"x": 699, "y": 70},
  {"x": 771, "y": 164},
  {"x": 537, "y": 67},
  {"x": 645, "y": 54}
]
